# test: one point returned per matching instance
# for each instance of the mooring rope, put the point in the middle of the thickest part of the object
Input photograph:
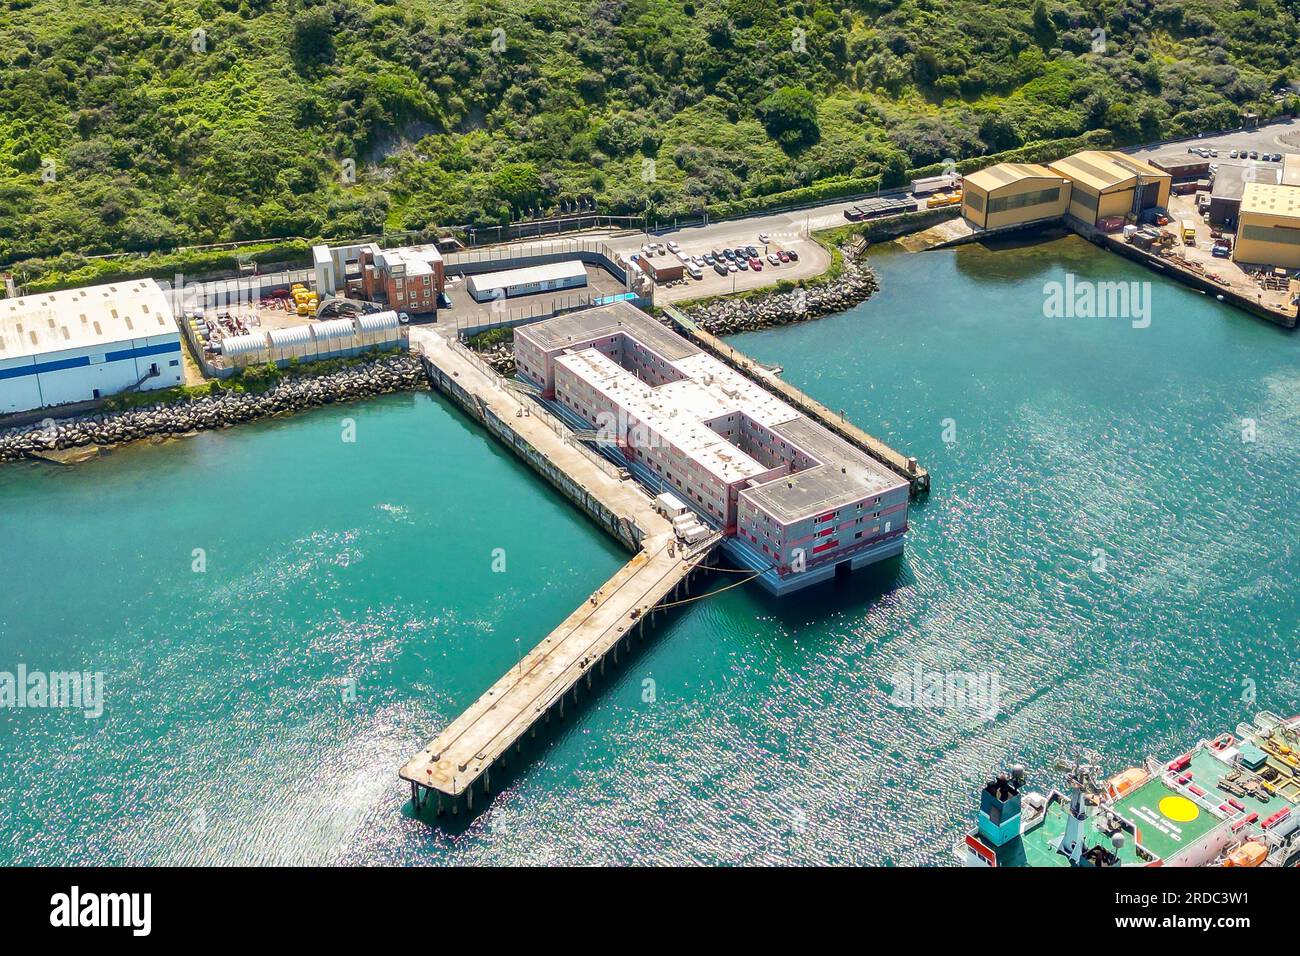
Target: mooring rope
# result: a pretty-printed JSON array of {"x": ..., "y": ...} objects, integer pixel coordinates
[{"x": 701, "y": 597}]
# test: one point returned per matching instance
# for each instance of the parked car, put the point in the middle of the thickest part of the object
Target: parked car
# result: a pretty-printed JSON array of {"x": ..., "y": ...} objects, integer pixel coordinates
[
  {"x": 764, "y": 238},
  {"x": 783, "y": 255},
  {"x": 1277, "y": 157},
  {"x": 1214, "y": 154},
  {"x": 732, "y": 267},
  {"x": 720, "y": 267},
  {"x": 717, "y": 253},
  {"x": 742, "y": 264},
  {"x": 1233, "y": 154},
  {"x": 673, "y": 246},
  {"x": 752, "y": 251},
  {"x": 694, "y": 271},
  {"x": 794, "y": 256},
  {"x": 1254, "y": 154},
  {"x": 756, "y": 264},
  {"x": 771, "y": 257},
  {"x": 730, "y": 256}
]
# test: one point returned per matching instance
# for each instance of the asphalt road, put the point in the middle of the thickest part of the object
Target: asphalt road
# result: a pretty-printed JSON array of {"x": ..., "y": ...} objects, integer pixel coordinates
[
  {"x": 790, "y": 230},
  {"x": 1263, "y": 139}
]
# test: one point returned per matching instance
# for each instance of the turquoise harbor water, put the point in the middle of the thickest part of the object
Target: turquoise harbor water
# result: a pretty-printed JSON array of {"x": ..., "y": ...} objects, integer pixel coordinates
[{"x": 257, "y": 711}]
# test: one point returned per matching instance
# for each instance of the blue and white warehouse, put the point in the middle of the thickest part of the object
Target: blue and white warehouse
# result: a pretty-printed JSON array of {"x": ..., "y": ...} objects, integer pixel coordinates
[{"x": 83, "y": 344}]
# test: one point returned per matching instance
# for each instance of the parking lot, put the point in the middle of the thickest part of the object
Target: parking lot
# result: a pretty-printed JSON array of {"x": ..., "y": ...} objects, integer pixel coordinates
[
  {"x": 1279, "y": 137},
  {"x": 465, "y": 312},
  {"x": 768, "y": 236}
]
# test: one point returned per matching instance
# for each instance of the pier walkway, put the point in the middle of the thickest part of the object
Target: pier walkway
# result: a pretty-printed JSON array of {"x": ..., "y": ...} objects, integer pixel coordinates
[
  {"x": 466, "y": 751},
  {"x": 660, "y": 570},
  {"x": 611, "y": 497}
]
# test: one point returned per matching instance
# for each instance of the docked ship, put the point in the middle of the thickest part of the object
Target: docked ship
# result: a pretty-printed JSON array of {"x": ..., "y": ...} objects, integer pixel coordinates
[{"x": 1230, "y": 801}]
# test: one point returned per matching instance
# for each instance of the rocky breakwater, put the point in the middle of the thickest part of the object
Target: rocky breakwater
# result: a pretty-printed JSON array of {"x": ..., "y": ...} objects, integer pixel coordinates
[
  {"x": 501, "y": 358},
  {"x": 76, "y": 439},
  {"x": 855, "y": 283}
]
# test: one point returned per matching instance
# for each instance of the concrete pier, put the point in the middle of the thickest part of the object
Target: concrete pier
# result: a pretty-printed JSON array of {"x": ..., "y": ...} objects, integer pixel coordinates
[
  {"x": 464, "y": 753},
  {"x": 537, "y": 686}
]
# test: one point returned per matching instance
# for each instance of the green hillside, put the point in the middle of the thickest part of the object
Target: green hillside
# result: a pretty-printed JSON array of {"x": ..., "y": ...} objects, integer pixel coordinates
[{"x": 121, "y": 128}]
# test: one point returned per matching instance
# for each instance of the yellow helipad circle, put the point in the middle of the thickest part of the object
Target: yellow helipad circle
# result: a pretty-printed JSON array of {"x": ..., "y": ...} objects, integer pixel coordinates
[{"x": 1179, "y": 809}]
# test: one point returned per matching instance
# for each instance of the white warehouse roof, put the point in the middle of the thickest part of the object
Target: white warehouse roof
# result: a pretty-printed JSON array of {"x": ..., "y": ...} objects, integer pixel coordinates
[
  {"x": 291, "y": 335},
  {"x": 97, "y": 315},
  {"x": 377, "y": 321},
  {"x": 333, "y": 329},
  {"x": 551, "y": 271},
  {"x": 243, "y": 344}
]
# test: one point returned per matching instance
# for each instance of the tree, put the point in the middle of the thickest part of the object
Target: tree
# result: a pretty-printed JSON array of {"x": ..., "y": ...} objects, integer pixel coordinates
[
  {"x": 1043, "y": 26},
  {"x": 790, "y": 116},
  {"x": 1095, "y": 107},
  {"x": 517, "y": 183},
  {"x": 998, "y": 132},
  {"x": 313, "y": 38}
]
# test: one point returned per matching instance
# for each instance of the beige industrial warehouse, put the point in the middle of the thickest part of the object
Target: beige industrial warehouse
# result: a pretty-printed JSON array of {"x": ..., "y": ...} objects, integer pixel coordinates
[
  {"x": 1009, "y": 194},
  {"x": 1268, "y": 227},
  {"x": 1107, "y": 183}
]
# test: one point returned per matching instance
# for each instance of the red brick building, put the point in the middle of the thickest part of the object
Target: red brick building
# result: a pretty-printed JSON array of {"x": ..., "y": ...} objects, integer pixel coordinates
[{"x": 407, "y": 279}]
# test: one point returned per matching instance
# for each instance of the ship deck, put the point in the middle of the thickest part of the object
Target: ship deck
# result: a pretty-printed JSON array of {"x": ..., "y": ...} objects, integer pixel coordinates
[
  {"x": 1166, "y": 819},
  {"x": 1172, "y": 810},
  {"x": 1036, "y": 846}
]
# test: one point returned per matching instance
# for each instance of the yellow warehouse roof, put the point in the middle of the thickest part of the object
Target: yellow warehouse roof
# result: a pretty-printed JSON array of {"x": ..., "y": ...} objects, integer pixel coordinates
[
  {"x": 1104, "y": 169},
  {"x": 1268, "y": 199},
  {"x": 1004, "y": 174},
  {"x": 1291, "y": 170}
]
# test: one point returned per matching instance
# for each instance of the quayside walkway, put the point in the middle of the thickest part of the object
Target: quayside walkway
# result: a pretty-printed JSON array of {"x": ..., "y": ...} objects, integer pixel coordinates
[{"x": 658, "y": 575}]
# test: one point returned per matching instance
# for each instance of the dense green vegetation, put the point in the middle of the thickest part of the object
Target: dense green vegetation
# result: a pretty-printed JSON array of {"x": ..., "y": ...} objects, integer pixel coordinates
[
  {"x": 490, "y": 339},
  {"x": 123, "y": 127},
  {"x": 68, "y": 271}
]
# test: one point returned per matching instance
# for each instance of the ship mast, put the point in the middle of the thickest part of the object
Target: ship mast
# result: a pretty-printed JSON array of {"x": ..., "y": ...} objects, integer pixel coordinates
[{"x": 1082, "y": 780}]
